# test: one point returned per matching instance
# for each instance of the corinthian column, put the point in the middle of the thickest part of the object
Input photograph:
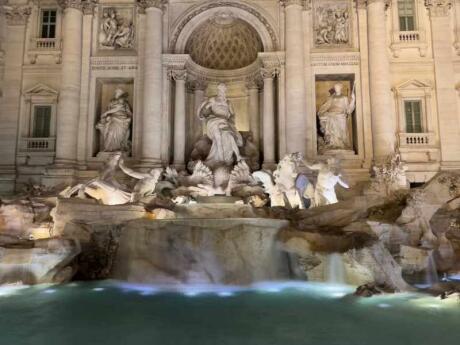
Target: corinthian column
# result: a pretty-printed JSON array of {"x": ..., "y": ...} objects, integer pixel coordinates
[
  {"x": 15, "y": 18},
  {"x": 268, "y": 74},
  {"x": 296, "y": 116},
  {"x": 68, "y": 108},
  {"x": 383, "y": 114},
  {"x": 449, "y": 122},
  {"x": 153, "y": 83},
  {"x": 180, "y": 77},
  {"x": 253, "y": 109}
]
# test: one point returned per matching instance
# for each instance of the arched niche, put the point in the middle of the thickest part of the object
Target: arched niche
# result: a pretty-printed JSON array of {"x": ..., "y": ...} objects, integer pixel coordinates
[{"x": 196, "y": 16}]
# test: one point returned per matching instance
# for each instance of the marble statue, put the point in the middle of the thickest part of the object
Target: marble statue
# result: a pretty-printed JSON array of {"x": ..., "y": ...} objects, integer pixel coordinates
[
  {"x": 333, "y": 116},
  {"x": 115, "y": 124},
  {"x": 389, "y": 177},
  {"x": 281, "y": 186},
  {"x": 104, "y": 188},
  {"x": 147, "y": 181},
  {"x": 218, "y": 114},
  {"x": 117, "y": 31},
  {"x": 327, "y": 179},
  {"x": 332, "y": 24}
]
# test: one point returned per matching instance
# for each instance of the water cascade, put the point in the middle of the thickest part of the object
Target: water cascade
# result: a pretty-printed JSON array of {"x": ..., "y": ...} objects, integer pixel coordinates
[
  {"x": 431, "y": 275},
  {"x": 335, "y": 273}
]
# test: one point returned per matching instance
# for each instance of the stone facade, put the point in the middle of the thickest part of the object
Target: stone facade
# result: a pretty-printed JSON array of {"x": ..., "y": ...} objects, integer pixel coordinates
[{"x": 279, "y": 60}]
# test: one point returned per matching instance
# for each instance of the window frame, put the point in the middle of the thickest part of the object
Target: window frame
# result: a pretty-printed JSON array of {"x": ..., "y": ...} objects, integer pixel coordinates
[
  {"x": 48, "y": 24},
  {"x": 34, "y": 114},
  {"x": 414, "y": 15},
  {"x": 421, "y": 115}
]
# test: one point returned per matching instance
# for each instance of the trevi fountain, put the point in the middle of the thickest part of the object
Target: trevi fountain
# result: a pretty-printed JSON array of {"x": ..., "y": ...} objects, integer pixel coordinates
[{"x": 229, "y": 172}]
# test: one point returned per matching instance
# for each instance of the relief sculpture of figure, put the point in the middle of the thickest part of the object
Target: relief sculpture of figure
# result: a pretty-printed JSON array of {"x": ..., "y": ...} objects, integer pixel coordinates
[
  {"x": 333, "y": 116},
  {"x": 219, "y": 116},
  {"x": 115, "y": 124},
  {"x": 116, "y": 30}
]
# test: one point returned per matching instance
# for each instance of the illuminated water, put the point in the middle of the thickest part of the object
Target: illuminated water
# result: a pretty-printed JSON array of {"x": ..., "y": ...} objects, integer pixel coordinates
[{"x": 268, "y": 314}]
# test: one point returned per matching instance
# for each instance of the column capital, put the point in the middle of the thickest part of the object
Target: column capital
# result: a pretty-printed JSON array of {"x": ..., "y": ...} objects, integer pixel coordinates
[
  {"x": 288, "y": 3},
  {"x": 268, "y": 72},
  {"x": 439, "y": 8},
  {"x": 89, "y": 6},
  {"x": 253, "y": 82},
  {"x": 144, "y": 4},
  {"x": 178, "y": 74},
  {"x": 365, "y": 3},
  {"x": 15, "y": 15}
]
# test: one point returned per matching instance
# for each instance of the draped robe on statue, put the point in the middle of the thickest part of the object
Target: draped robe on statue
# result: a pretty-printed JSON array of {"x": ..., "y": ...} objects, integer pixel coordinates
[{"x": 220, "y": 128}]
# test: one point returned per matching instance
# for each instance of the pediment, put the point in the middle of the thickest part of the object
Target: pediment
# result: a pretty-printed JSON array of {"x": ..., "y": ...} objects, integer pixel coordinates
[
  {"x": 413, "y": 84},
  {"x": 41, "y": 90}
]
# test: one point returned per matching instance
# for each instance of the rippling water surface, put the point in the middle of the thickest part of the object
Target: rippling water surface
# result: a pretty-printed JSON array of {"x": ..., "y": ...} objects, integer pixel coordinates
[{"x": 115, "y": 313}]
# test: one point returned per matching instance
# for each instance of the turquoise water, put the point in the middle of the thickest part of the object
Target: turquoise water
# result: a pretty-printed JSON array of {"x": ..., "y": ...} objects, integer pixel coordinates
[{"x": 268, "y": 314}]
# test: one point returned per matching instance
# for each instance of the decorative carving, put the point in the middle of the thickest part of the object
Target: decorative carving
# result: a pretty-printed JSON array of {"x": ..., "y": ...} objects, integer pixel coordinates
[
  {"x": 268, "y": 73},
  {"x": 439, "y": 8},
  {"x": 77, "y": 4},
  {"x": 152, "y": 3},
  {"x": 332, "y": 23},
  {"x": 333, "y": 116},
  {"x": 89, "y": 6},
  {"x": 115, "y": 124},
  {"x": 224, "y": 43},
  {"x": 389, "y": 177},
  {"x": 178, "y": 74},
  {"x": 16, "y": 15},
  {"x": 287, "y": 3},
  {"x": 214, "y": 4},
  {"x": 117, "y": 28}
]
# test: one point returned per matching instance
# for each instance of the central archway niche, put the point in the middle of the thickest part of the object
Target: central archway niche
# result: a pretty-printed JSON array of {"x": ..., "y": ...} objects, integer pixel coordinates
[{"x": 223, "y": 43}]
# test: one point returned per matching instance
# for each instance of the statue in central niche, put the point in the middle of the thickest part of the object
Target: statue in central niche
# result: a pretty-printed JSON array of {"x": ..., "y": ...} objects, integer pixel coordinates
[
  {"x": 115, "y": 124},
  {"x": 219, "y": 116},
  {"x": 333, "y": 116}
]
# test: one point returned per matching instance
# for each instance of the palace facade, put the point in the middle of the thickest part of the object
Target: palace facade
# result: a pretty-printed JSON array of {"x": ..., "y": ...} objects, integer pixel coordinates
[{"x": 354, "y": 79}]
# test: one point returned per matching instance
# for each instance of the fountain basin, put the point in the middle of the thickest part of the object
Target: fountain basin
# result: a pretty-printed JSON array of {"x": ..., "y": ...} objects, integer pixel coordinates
[{"x": 218, "y": 251}]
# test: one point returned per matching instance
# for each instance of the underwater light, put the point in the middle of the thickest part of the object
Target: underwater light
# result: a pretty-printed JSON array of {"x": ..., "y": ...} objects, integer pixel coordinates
[
  {"x": 49, "y": 291},
  {"x": 98, "y": 289}
]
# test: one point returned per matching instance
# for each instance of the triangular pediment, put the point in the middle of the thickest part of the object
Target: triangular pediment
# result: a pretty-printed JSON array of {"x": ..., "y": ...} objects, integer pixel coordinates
[
  {"x": 41, "y": 90},
  {"x": 413, "y": 84}
]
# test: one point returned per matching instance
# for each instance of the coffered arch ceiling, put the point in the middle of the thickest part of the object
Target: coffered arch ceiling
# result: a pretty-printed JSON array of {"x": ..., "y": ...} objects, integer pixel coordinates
[{"x": 224, "y": 43}]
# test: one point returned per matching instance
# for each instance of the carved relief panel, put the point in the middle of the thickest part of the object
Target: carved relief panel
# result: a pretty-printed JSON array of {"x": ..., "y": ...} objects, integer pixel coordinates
[
  {"x": 116, "y": 28},
  {"x": 332, "y": 20}
]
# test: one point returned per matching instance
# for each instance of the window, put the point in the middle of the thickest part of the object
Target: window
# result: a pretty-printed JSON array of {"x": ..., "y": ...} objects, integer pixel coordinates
[
  {"x": 48, "y": 24},
  {"x": 413, "y": 113},
  {"x": 406, "y": 11},
  {"x": 42, "y": 121}
]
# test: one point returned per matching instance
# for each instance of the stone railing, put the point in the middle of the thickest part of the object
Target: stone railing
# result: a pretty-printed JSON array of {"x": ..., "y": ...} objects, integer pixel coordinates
[
  {"x": 416, "y": 139},
  {"x": 38, "y": 144},
  {"x": 46, "y": 44},
  {"x": 408, "y": 36}
]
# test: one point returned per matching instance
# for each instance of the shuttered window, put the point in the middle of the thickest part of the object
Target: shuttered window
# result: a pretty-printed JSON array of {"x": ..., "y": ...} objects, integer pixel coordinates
[
  {"x": 42, "y": 121},
  {"x": 413, "y": 112},
  {"x": 406, "y": 12}
]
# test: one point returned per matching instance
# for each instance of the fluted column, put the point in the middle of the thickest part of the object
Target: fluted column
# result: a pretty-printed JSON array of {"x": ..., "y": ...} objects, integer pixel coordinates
[
  {"x": 253, "y": 110},
  {"x": 448, "y": 116},
  {"x": 153, "y": 83},
  {"x": 382, "y": 110},
  {"x": 180, "y": 77},
  {"x": 68, "y": 109},
  {"x": 296, "y": 116},
  {"x": 268, "y": 74},
  {"x": 15, "y": 18}
]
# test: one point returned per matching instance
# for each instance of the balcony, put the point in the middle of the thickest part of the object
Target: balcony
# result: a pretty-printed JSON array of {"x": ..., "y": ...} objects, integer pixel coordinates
[
  {"x": 408, "y": 36},
  {"x": 416, "y": 139},
  {"x": 409, "y": 39},
  {"x": 38, "y": 145},
  {"x": 44, "y": 46}
]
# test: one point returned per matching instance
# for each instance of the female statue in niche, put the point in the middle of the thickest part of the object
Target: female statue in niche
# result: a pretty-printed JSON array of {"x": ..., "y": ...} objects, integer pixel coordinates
[
  {"x": 115, "y": 124},
  {"x": 333, "y": 116},
  {"x": 219, "y": 116}
]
